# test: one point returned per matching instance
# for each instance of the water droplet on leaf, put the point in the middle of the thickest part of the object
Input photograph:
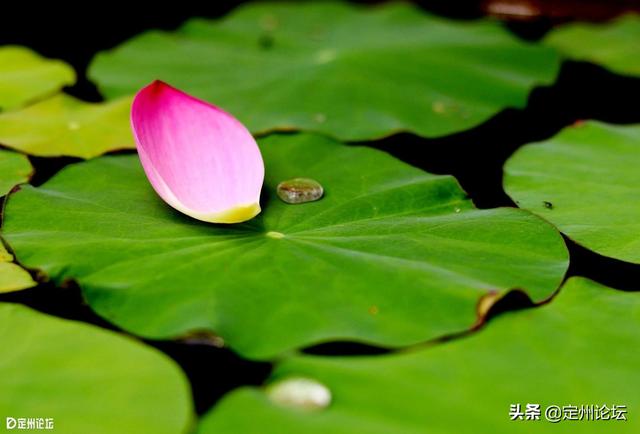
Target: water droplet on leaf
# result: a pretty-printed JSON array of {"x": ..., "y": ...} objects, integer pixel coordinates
[
  {"x": 547, "y": 205},
  {"x": 301, "y": 393},
  {"x": 299, "y": 190}
]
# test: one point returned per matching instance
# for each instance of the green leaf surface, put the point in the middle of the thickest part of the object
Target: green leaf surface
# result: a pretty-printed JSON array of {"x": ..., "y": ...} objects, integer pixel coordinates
[
  {"x": 586, "y": 181},
  {"x": 12, "y": 276},
  {"x": 25, "y": 76},
  {"x": 390, "y": 255},
  {"x": 87, "y": 379},
  {"x": 577, "y": 350},
  {"x": 614, "y": 45},
  {"x": 14, "y": 169},
  {"x": 346, "y": 71},
  {"x": 66, "y": 126}
]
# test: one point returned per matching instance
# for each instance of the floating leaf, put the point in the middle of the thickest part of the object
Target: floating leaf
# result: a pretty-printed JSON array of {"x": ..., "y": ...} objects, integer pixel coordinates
[
  {"x": 26, "y": 76},
  {"x": 585, "y": 181},
  {"x": 12, "y": 276},
  {"x": 390, "y": 255},
  {"x": 86, "y": 379},
  {"x": 615, "y": 45},
  {"x": 578, "y": 350},
  {"x": 64, "y": 125},
  {"x": 14, "y": 169},
  {"x": 339, "y": 69}
]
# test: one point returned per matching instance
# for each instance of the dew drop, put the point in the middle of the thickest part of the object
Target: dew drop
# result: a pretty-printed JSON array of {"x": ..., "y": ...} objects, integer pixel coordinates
[
  {"x": 299, "y": 190},
  {"x": 299, "y": 392},
  {"x": 547, "y": 204},
  {"x": 457, "y": 210}
]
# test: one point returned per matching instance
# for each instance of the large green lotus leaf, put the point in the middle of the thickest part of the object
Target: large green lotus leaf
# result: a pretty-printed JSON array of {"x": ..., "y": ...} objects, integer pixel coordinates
[
  {"x": 12, "y": 276},
  {"x": 339, "y": 69},
  {"x": 391, "y": 255},
  {"x": 87, "y": 379},
  {"x": 586, "y": 181},
  {"x": 578, "y": 350},
  {"x": 615, "y": 45},
  {"x": 26, "y": 76},
  {"x": 14, "y": 169},
  {"x": 64, "y": 125}
]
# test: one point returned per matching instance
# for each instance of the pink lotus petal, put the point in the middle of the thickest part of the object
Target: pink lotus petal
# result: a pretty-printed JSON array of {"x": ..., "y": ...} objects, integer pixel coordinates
[{"x": 199, "y": 159}]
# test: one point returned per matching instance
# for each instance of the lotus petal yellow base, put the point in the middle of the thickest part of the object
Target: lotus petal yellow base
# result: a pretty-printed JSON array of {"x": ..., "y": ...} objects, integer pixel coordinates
[{"x": 238, "y": 214}]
